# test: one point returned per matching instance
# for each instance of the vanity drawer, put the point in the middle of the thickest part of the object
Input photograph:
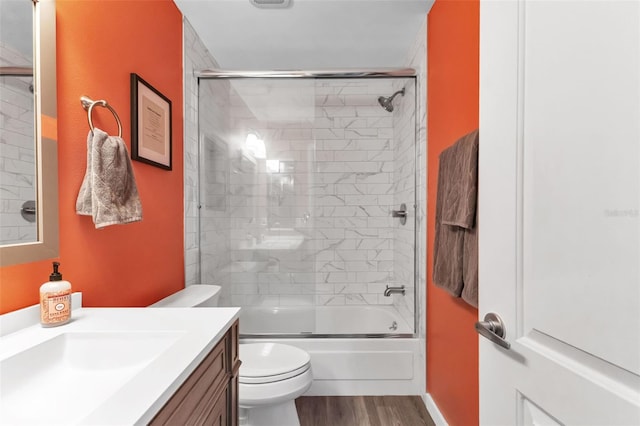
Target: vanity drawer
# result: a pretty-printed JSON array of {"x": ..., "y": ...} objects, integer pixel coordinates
[{"x": 200, "y": 398}]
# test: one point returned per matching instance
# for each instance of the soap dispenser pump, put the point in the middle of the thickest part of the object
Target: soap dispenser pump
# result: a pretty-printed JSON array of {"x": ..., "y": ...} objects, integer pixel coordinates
[{"x": 55, "y": 300}]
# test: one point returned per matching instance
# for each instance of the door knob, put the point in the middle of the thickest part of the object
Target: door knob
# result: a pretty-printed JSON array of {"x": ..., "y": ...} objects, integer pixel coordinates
[{"x": 493, "y": 329}]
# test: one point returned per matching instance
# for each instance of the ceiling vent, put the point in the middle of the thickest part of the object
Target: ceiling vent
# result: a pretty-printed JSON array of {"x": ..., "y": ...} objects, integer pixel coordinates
[{"x": 271, "y": 4}]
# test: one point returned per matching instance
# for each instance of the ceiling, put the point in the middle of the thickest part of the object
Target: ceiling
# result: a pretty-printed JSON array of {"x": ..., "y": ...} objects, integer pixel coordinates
[{"x": 308, "y": 34}]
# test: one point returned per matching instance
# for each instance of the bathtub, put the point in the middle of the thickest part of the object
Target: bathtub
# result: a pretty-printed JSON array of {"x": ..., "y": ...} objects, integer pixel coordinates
[
  {"x": 323, "y": 321},
  {"x": 353, "y": 350}
]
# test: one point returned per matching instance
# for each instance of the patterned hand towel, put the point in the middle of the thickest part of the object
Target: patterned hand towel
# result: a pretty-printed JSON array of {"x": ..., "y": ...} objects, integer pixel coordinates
[{"x": 108, "y": 192}]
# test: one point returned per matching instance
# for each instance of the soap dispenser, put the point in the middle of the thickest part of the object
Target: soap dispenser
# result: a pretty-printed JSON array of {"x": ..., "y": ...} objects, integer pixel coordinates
[{"x": 55, "y": 300}]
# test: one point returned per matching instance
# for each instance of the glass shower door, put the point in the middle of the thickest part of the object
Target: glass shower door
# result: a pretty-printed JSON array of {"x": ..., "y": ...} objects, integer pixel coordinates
[{"x": 299, "y": 180}]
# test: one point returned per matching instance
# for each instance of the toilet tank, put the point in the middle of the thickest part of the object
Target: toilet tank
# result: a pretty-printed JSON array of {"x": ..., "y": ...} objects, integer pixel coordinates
[{"x": 196, "y": 295}]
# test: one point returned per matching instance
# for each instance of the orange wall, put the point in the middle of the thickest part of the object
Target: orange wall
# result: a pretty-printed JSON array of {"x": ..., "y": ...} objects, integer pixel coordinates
[
  {"x": 99, "y": 44},
  {"x": 452, "y": 348}
]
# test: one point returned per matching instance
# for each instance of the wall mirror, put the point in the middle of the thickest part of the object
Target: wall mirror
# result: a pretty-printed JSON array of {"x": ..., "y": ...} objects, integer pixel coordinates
[{"x": 28, "y": 132}]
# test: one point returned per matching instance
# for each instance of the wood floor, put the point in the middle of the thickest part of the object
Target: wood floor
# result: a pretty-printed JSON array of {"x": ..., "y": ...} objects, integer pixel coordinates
[{"x": 362, "y": 411}]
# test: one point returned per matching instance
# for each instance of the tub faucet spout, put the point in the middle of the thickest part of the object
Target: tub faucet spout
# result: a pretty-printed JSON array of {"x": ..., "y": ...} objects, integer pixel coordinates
[{"x": 389, "y": 290}]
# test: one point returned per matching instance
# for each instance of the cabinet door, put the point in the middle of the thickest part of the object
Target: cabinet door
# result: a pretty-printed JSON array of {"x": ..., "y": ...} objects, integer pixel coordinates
[
  {"x": 218, "y": 415},
  {"x": 193, "y": 401},
  {"x": 235, "y": 371},
  {"x": 233, "y": 401}
]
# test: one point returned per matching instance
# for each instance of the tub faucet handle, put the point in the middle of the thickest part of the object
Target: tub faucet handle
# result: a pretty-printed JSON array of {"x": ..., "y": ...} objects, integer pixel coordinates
[{"x": 389, "y": 290}]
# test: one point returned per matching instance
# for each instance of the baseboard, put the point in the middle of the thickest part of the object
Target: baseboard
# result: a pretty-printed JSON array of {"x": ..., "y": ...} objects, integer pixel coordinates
[
  {"x": 433, "y": 410},
  {"x": 362, "y": 387}
]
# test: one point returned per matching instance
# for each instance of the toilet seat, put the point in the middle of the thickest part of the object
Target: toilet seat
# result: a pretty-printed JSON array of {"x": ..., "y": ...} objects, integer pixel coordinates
[
  {"x": 271, "y": 362},
  {"x": 273, "y": 378}
]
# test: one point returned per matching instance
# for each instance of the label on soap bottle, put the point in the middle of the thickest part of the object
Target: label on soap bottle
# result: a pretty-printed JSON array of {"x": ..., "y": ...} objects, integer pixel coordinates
[{"x": 56, "y": 307}]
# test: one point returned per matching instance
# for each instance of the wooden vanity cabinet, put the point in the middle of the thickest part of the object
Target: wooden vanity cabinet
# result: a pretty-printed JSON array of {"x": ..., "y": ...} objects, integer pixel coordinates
[{"x": 209, "y": 396}]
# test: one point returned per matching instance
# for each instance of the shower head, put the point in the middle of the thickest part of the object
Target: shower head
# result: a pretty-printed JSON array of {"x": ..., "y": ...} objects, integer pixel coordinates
[{"x": 387, "y": 103}]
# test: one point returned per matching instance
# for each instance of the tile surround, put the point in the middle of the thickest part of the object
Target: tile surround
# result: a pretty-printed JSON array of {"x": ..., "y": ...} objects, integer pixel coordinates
[
  {"x": 206, "y": 242},
  {"x": 343, "y": 164},
  {"x": 334, "y": 187},
  {"x": 417, "y": 59}
]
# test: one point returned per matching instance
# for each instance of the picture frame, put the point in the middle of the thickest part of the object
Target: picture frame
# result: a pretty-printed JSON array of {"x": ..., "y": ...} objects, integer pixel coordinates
[{"x": 150, "y": 125}]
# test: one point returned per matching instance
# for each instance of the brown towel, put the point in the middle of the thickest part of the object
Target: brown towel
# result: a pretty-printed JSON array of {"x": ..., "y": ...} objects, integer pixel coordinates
[
  {"x": 455, "y": 257},
  {"x": 108, "y": 192},
  {"x": 470, "y": 266}
]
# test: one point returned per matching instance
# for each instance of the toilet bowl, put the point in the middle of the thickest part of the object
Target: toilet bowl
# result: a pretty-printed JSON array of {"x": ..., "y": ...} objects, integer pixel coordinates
[{"x": 272, "y": 375}]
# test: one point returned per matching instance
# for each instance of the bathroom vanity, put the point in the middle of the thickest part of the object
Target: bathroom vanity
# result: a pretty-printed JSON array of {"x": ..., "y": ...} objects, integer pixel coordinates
[
  {"x": 209, "y": 396},
  {"x": 115, "y": 366}
]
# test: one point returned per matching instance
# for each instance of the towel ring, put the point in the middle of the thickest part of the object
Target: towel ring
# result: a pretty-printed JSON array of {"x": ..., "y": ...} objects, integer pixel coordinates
[{"x": 88, "y": 104}]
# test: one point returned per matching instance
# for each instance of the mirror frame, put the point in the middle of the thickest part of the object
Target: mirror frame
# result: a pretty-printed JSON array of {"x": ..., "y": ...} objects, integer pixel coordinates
[{"x": 45, "y": 101}]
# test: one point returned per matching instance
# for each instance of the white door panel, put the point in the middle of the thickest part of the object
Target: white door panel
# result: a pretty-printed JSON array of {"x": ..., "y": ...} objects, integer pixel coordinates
[
  {"x": 559, "y": 211},
  {"x": 581, "y": 175}
]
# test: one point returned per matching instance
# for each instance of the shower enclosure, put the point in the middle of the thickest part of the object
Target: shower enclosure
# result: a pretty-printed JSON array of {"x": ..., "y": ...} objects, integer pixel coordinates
[{"x": 307, "y": 195}]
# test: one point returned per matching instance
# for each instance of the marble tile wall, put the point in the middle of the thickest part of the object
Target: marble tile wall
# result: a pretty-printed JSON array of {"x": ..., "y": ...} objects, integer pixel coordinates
[
  {"x": 17, "y": 151},
  {"x": 404, "y": 191},
  {"x": 206, "y": 250},
  {"x": 326, "y": 187},
  {"x": 311, "y": 223},
  {"x": 417, "y": 59},
  {"x": 215, "y": 173}
]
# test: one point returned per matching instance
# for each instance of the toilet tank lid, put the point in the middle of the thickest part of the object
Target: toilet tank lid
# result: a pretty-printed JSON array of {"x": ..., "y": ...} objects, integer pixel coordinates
[{"x": 190, "y": 296}]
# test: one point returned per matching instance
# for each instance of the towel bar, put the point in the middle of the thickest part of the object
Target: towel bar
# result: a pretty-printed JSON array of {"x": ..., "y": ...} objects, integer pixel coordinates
[{"x": 88, "y": 104}]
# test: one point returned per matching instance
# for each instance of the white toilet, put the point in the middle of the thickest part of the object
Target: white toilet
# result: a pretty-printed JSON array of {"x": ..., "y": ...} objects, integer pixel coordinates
[{"x": 272, "y": 375}]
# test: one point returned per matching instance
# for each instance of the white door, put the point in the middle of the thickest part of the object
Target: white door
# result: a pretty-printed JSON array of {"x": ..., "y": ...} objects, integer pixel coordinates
[{"x": 559, "y": 211}]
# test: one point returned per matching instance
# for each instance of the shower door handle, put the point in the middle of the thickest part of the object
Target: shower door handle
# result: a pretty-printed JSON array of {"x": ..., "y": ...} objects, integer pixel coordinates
[
  {"x": 402, "y": 213},
  {"x": 493, "y": 329}
]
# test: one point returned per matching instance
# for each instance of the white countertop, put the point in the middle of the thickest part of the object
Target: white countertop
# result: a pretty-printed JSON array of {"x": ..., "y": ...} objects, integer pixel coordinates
[{"x": 194, "y": 332}]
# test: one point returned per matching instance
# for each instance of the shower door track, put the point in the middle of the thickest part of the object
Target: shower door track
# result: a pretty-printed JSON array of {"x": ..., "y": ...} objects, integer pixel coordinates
[
  {"x": 327, "y": 336},
  {"x": 330, "y": 73}
]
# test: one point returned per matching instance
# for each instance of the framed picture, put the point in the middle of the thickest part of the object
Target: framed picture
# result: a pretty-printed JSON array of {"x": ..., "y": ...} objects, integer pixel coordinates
[{"x": 150, "y": 124}]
